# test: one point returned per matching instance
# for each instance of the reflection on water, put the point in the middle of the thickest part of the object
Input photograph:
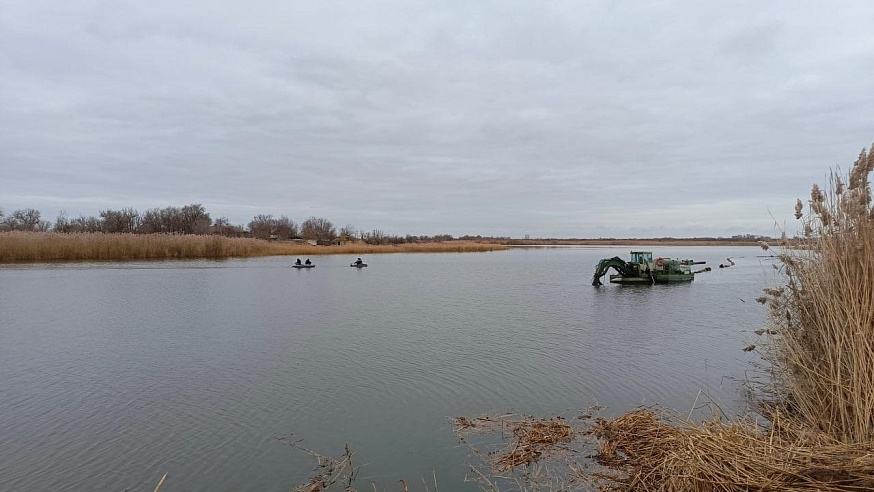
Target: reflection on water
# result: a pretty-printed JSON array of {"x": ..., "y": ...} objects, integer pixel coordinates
[{"x": 115, "y": 373}]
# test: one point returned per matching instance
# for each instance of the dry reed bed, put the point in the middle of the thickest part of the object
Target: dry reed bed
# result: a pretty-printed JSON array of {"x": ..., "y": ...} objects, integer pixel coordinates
[
  {"x": 647, "y": 453},
  {"x": 47, "y": 246},
  {"x": 362, "y": 248}
]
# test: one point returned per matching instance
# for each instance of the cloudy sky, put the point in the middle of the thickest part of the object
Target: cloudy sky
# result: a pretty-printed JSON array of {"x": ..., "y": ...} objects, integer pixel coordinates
[{"x": 554, "y": 119}]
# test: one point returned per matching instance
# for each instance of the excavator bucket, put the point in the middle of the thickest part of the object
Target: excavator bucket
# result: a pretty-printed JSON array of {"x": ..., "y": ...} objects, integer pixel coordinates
[{"x": 604, "y": 265}]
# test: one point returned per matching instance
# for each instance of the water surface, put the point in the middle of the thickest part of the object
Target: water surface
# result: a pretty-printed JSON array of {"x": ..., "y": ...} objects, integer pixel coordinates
[{"x": 112, "y": 374}]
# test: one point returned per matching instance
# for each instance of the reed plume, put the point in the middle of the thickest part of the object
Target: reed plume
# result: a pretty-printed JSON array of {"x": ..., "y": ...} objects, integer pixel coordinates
[{"x": 823, "y": 356}]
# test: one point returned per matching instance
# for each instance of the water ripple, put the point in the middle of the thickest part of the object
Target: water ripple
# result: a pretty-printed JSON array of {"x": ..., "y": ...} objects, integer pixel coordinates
[{"x": 194, "y": 368}]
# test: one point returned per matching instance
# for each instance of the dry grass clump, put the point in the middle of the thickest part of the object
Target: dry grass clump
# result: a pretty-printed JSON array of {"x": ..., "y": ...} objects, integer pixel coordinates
[
  {"x": 531, "y": 437},
  {"x": 329, "y": 472},
  {"x": 360, "y": 248},
  {"x": 339, "y": 474},
  {"x": 526, "y": 453},
  {"x": 47, "y": 246},
  {"x": 646, "y": 453}
]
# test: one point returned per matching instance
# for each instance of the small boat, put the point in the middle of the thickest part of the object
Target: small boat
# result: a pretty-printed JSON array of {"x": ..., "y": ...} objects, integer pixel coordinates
[
  {"x": 304, "y": 266},
  {"x": 358, "y": 265},
  {"x": 642, "y": 269}
]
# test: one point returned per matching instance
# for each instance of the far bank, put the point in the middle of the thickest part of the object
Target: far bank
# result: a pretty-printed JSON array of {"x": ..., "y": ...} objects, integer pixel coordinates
[
  {"x": 641, "y": 242},
  {"x": 19, "y": 246}
]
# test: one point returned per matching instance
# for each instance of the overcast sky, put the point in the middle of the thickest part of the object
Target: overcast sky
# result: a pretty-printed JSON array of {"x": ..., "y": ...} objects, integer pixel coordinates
[{"x": 554, "y": 119}]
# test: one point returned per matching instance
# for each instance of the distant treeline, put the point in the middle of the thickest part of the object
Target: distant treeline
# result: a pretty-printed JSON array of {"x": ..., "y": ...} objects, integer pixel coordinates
[{"x": 194, "y": 219}]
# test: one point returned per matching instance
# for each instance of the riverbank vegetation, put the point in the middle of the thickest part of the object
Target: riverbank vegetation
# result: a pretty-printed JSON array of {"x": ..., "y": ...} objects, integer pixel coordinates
[
  {"x": 736, "y": 240},
  {"x": 193, "y": 219},
  {"x": 811, "y": 421},
  {"x": 51, "y": 246},
  {"x": 190, "y": 232}
]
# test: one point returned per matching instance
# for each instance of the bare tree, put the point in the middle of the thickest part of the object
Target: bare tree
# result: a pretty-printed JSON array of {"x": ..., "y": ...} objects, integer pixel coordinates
[
  {"x": 62, "y": 223},
  {"x": 175, "y": 220},
  {"x": 85, "y": 224},
  {"x": 347, "y": 232},
  {"x": 171, "y": 220},
  {"x": 195, "y": 220},
  {"x": 261, "y": 226},
  {"x": 9, "y": 224},
  {"x": 374, "y": 237},
  {"x": 319, "y": 229},
  {"x": 126, "y": 220},
  {"x": 284, "y": 228},
  {"x": 151, "y": 223},
  {"x": 223, "y": 227},
  {"x": 26, "y": 219}
]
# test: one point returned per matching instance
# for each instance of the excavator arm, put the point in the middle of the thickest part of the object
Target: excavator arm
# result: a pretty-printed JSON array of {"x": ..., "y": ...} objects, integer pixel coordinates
[{"x": 604, "y": 265}]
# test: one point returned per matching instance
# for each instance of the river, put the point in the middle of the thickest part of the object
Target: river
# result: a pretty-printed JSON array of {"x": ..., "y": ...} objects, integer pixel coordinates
[{"x": 112, "y": 374}]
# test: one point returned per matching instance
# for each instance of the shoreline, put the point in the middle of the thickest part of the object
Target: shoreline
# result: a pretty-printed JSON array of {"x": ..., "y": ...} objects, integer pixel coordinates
[
  {"x": 21, "y": 247},
  {"x": 630, "y": 242}
]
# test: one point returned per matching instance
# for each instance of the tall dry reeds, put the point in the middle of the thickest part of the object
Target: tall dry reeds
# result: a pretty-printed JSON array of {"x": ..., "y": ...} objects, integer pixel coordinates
[
  {"x": 648, "y": 453},
  {"x": 822, "y": 355},
  {"x": 360, "y": 248},
  {"x": 48, "y": 246}
]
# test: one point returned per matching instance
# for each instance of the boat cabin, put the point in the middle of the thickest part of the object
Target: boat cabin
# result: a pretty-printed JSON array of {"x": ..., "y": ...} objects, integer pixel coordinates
[{"x": 641, "y": 257}]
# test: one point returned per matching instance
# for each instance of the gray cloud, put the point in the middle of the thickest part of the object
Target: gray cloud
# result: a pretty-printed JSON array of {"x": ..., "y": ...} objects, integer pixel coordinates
[{"x": 507, "y": 118}]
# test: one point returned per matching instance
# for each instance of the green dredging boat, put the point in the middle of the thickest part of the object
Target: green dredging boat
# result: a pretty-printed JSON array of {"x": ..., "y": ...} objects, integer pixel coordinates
[{"x": 642, "y": 269}]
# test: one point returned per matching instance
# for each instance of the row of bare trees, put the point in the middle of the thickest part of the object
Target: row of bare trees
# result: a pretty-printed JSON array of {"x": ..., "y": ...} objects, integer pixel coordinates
[
  {"x": 194, "y": 219},
  {"x": 189, "y": 219},
  {"x": 26, "y": 219}
]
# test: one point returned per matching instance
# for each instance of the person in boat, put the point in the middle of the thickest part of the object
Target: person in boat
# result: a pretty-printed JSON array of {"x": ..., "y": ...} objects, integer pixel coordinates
[
  {"x": 358, "y": 261},
  {"x": 298, "y": 261},
  {"x": 308, "y": 262}
]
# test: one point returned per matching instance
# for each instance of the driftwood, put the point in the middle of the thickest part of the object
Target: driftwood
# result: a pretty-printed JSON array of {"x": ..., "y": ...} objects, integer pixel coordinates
[{"x": 329, "y": 471}]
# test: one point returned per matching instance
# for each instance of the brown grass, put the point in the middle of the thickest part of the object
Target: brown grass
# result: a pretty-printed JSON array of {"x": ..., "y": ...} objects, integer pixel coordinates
[
  {"x": 362, "y": 248},
  {"x": 531, "y": 437},
  {"x": 823, "y": 353},
  {"x": 632, "y": 242},
  {"x": 47, "y": 246},
  {"x": 646, "y": 453},
  {"x": 531, "y": 454}
]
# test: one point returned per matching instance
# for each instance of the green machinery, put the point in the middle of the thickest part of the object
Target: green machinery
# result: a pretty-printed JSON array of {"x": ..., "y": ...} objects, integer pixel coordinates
[{"x": 642, "y": 269}]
